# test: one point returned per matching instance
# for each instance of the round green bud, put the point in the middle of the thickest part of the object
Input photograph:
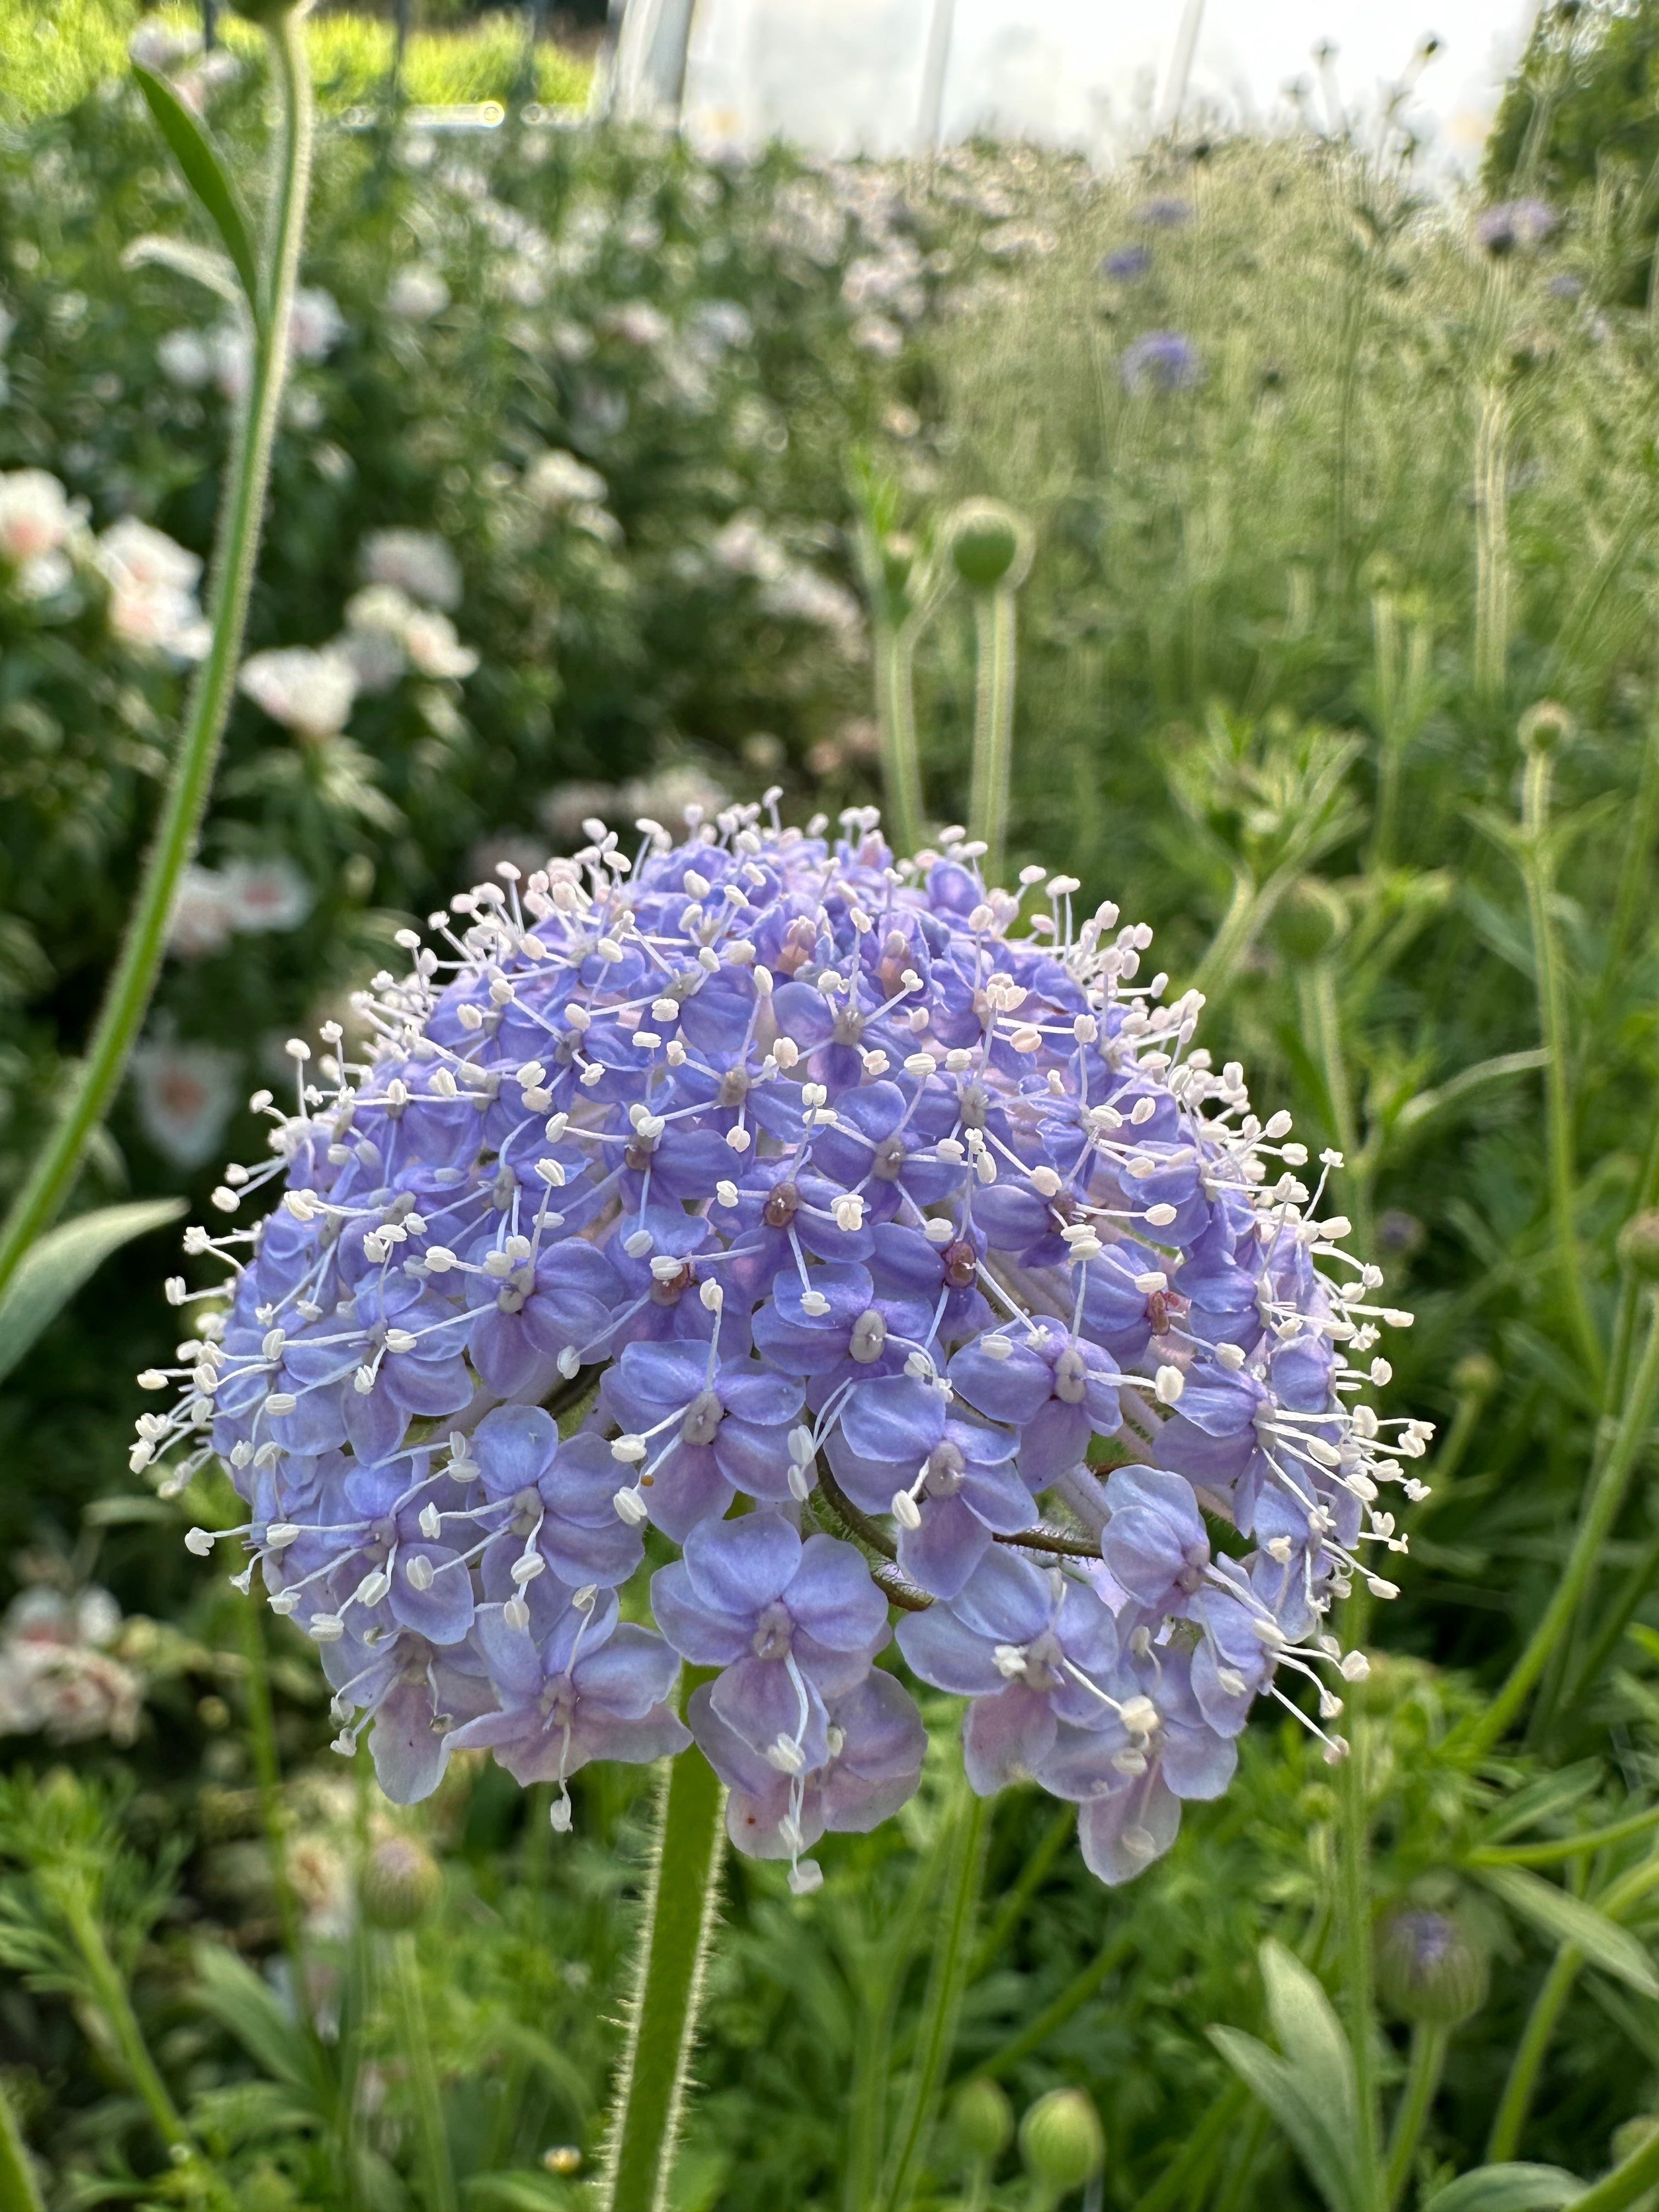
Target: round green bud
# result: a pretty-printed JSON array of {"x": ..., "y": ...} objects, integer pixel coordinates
[
  {"x": 1545, "y": 726},
  {"x": 982, "y": 2118},
  {"x": 400, "y": 1884},
  {"x": 1309, "y": 919},
  {"x": 1427, "y": 1970},
  {"x": 1476, "y": 1375},
  {"x": 1061, "y": 2140},
  {"x": 990, "y": 545},
  {"x": 1638, "y": 1244}
]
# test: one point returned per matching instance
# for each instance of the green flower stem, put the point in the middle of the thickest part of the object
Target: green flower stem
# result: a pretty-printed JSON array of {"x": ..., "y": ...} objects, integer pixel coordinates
[
  {"x": 1566, "y": 1847},
  {"x": 1423, "y": 2071},
  {"x": 1032, "y": 1876},
  {"x": 18, "y": 2190},
  {"x": 268, "y": 1777},
  {"x": 1354, "y": 1902},
  {"x": 1625, "y": 2184},
  {"x": 437, "y": 2167},
  {"x": 995, "y": 632},
  {"x": 679, "y": 1915},
  {"x": 1556, "y": 1987},
  {"x": 942, "y": 2007},
  {"x": 896, "y": 724},
  {"x": 1629, "y": 1285},
  {"x": 1183, "y": 2180},
  {"x": 884, "y": 1962},
  {"x": 128, "y": 995},
  {"x": 1055, "y": 2015},
  {"x": 1491, "y": 568},
  {"x": 1539, "y": 876},
  {"x": 1609, "y": 1480}
]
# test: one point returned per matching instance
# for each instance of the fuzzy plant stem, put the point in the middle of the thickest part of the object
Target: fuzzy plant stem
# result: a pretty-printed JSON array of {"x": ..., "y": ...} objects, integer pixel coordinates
[
  {"x": 437, "y": 2167},
  {"x": 995, "y": 631},
  {"x": 1553, "y": 1028},
  {"x": 18, "y": 2189},
  {"x": 1354, "y": 1896},
  {"x": 128, "y": 995},
  {"x": 1608, "y": 1481},
  {"x": 942, "y": 2007},
  {"x": 679, "y": 1917},
  {"x": 1423, "y": 2070},
  {"x": 268, "y": 1777},
  {"x": 1491, "y": 574},
  {"x": 895, "y": 725}
]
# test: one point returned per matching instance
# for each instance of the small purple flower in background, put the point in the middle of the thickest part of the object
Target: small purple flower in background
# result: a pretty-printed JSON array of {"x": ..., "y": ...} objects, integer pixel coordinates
[
  {"x": 1166, "y": 212},
  {"x": 846, "y": 1214},
  {"x": 1161, "y": 361},
  {"x": 1514, "y": 226},
  {"x": 1126, "y": 262}
]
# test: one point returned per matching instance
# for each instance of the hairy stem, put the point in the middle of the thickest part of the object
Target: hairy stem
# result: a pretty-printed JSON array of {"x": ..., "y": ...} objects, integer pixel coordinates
[
  {"x": 942, "y": 2007},
  {"x": 1609, "y": 1480},
  {"x": 993, "y": 721},
  {"x": 1423, "y": 2072},
  {"x": 679, "y": 1916},
  {"x": 895, "y": 725},
  {"x": 1553, "y": 1028},
  {"x": 1491, "y": 573},
  {"x": 1353, "y": 1876},
  {"x": 268, "y": 1777},
  {"x": 437, "y": 2169},
  {"x": 128, "y": 995}
]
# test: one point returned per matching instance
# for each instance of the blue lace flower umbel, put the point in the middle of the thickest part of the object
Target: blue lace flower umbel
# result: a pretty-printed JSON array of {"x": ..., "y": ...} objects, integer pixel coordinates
[{"x": 879, "y": 1240}]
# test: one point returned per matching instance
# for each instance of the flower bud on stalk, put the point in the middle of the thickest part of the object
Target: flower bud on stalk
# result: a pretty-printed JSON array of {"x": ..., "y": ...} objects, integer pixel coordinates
[
  {"x": 400, "y": 1885},
  {"x": 1638, "y": 1244},
  {"x": 1062, "y": 2142},
  {"x": 1428, "y": 1972},
  {"x": 982, "y": 2120}
]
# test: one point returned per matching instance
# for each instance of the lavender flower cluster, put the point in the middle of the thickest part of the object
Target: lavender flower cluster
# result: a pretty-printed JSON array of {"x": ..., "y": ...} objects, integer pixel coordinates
[{"x": 882, "y": 1246}]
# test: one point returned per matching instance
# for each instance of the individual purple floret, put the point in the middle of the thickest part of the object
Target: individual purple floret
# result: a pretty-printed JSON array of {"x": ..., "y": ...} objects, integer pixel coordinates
[
  {"x": 873, "y": 1236},
  {"x": 1514, "y": 225},
  {"x": 1126, "y": 262}
]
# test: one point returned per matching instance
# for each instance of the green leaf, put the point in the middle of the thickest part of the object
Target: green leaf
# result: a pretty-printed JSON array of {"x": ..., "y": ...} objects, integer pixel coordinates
[
  {"x": 52, "y": 1270},
  {"x": 1567, "y": 1919},
  {"x": 206, "y": 174},
  {"x": 233, "y": 1994},
  {"x": 1310, "y": 2036},
  {"x": 1508, "y": 2189},
  {"x": 1546, "y": 1799},
  {"x": 1312, "y": 2129},
  {"x": 199, "y": 263}
]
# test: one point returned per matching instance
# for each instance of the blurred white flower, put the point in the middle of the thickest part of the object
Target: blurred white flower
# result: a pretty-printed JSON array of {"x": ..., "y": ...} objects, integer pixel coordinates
[
  {"x": 35, "y": 515},
  {"x": 432, "y": 648},
  {"x": 233, "y": 360},
  {"x": 716, "y": 326},
  {"x": 639, "y": 322},
  {"x": 46, "y": 574},
  {"x": 161, "y": 47},
  {"x": 186, "y": 358},
  {"x": 558, "y": 479},
  {"x": 186, "y": 1093},
  {"x": 305, "y": 690},
  {"x": 745, "y": 547},
  {"x": 373, "y": 639},
  {"x": 874, "y": 334},
  {"x": 316, "y": 325},
  {"x": 196, "y": 85},
  {"x": 418, "y": 561},
  {"x": 152, "y": 590},
  {"x": 56, "y": 1676},
  {"x": 802, "y": 595},
  {"x": 266, "y": 895},
  {"x": 416, "y": 293},
  {"x": 202, "y": 922},
  {"x": 598, "y": 521}
]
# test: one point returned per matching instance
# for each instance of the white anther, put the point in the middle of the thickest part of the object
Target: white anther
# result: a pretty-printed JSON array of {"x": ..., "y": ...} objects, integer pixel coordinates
[
  {"x": 631, "y": 1507},
  {"x": 1169, "y": 1382}
]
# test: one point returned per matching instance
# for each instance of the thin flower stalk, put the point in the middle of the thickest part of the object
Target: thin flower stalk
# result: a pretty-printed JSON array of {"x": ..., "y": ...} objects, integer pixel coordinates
[
  {"x": 19, "y": 2192},
  {"x": 1425, "y": 2065},
  {"x": 128, "y": 994},
  {"x": 1492, "y": 557},
  {"x": 1538, "y": 873},
  {"x": 994, "y": 634},
  {"x": 436, "y": 2167}
]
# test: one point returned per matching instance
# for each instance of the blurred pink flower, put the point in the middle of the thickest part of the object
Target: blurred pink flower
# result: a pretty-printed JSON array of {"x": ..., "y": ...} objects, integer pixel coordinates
[{"x": 186, "y": 1094}]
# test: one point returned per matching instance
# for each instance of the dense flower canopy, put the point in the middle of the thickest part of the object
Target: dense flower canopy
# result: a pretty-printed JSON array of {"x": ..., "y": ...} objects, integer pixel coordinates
[{"x": 875, "y": 1241}]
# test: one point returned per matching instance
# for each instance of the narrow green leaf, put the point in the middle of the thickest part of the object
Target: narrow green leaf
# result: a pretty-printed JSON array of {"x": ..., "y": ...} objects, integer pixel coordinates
[
  {"x": 1310, "y": 2036},
  {"x": 1310, "y": 2129},
  {"x": 199, "y": 263},
  {"x": 1508, "y": 2189},
  {"x": 206, "y": 174},
  {"x": 1567, "y": 1919},
  {"x": 233, "y": 1994},
  {"x": 1546, "y": 1799},
  {"x": 52, "y": 1270}
]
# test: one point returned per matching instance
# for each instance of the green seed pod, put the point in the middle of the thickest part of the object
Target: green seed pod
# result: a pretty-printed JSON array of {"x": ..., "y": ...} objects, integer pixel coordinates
[
  {"x": 982, "y": 2118},
  {"x": 1544, "y": 728},
  {"x": 1427, "y": 1970},
  {"x": 1061, "y": 2141},
  {"x": 400, "y": 1884},
  {"x": 990, "y": 545},
  {"x": 1309, "y": 919},
  {"x": 1638, "y": 1244}
]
